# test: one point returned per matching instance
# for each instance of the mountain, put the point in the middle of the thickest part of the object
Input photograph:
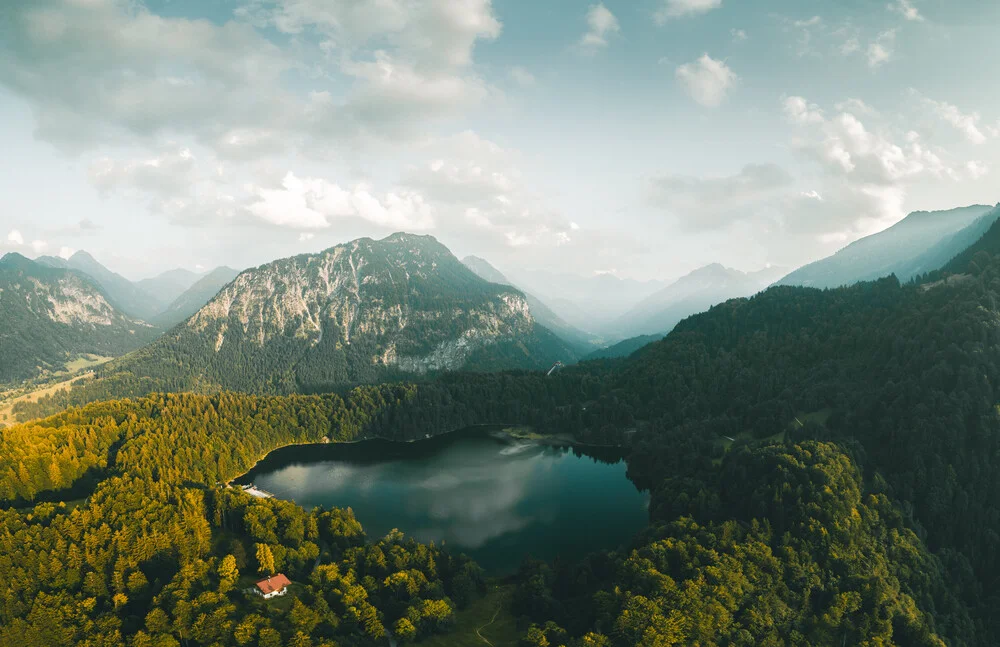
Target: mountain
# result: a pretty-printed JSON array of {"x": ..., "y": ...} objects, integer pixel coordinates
[
  {"x": 623, "y": 348},
  {"x": 195, "y": 297},
  {"x": 122, "y": 293},
  {"x": 364, "y": 311},
  {"x": 691, "y": 294},
  {"x": 168, "y": 286},
  {"x": 919, "y": 243},
  {"x": 592, "y": 304},
  {"x": 48, "y": 316},
  {"x": 542, "y": 313}
]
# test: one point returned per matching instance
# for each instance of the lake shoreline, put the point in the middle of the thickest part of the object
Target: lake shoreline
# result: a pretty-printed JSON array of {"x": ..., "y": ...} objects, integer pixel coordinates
[{"x": 509, "y": 432}]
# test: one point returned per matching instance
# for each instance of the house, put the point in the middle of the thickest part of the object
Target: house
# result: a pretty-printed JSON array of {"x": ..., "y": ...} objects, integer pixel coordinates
[{"x": 272, "y": 586}]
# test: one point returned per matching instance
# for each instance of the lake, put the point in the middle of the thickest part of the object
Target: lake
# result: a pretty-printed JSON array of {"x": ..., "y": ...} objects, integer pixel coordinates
[{"x": 496, "y": 499}]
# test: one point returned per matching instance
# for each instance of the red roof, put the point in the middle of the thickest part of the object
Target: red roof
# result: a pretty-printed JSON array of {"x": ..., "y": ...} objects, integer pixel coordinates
[{"x": 273, "y": 583}]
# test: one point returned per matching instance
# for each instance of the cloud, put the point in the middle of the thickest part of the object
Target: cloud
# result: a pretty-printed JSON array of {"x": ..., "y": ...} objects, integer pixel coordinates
[
  {"x": 977, "y": 169},
  {"x": 314, "y": 203},
  {"x": 66, "y": 252},
  {"x": 432, "y": 34},
  {"x": 906, "y": 9},
  {"x": 681, "y": 8},
  {"x": 372, "y": 70},
  {"x": 522, "y": 76},
  {"x": 856, "y": 106},
  {"x": 477, "y": 188},
  {"x": 15, "y": 237},
  {"x": 602, "y": 24},
  {"x": 967, "y": 124},
  {"x": 707, "y": 80},
  {"x": 708, "y": 203},
  {"x": 96, "y": 71},
  {"x": 858, "y": 173},
  {"x": 738, "y": 35},
  {"x": 865, "y": 171},
  {"x": 882, "y": 49}
]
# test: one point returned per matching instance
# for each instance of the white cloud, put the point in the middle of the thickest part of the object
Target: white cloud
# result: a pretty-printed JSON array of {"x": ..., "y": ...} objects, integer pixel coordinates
[
  {"x": 602, "y": 24},
  {"x": 850, "y": 46},
  {"x": 801, "y": 111},
  {"x": 907, "y": 9},
  {"x": 856, "y": 106},
  {"x": 967, "y": 124},
  {"x": 882, "y": 49},
  {"x": 680, "y": 8},
  {"x": 66, "y": 252},
  {"x": 977, "y": 169},
  {"x": 865, "y": 171},
  {"x": 476, "y": 186},
  {"x": 707, "y": 80},
  {"x": 714, "y": 202},
  {"x": 15, "y": 237},
  {"x": 738, "y": 35},
  {"x": 522, "y": 76},
  {"x": 430, "y": 34},
  {"x": 303, "y": 237},
  {"x": 314, "y": 203}
]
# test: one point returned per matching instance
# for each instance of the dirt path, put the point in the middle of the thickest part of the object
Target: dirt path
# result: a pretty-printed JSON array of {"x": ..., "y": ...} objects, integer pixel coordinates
[{"x": 495, "y": 614}]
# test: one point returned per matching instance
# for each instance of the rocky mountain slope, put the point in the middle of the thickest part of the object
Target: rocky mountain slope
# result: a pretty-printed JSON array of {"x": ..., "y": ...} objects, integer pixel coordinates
[
  {"x": 920, "y": 243},
  {"x": 364, "y": 311},
  {"x": 543, "y": 314},
  {"x": 48, "y": 316}
]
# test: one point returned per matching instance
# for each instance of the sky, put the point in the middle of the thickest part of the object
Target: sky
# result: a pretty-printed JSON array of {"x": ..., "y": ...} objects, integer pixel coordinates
[{"x": 645, "y": 138}]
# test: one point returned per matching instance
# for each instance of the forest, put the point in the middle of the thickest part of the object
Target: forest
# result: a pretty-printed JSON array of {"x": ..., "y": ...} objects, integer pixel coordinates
[{"x": 857, "y": 504}]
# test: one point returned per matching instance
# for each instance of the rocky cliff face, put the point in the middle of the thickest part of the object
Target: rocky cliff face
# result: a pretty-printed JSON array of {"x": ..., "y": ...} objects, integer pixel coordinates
[{"x": 361, "y": 311}]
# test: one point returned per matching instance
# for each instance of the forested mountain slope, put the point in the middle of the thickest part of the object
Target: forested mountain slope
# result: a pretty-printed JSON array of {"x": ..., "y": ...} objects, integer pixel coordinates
[
  {"x": 920, "y": 243},
  {"x": 48, "y": 316}
]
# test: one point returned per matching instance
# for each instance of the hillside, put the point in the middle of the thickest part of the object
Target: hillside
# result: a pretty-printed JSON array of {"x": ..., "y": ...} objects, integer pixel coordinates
[
  {"x": 49, "y": 316},
  {"x": 360, "y": 312},
  {"x": 623, "y": 348},
  {"x": 691, "y": 294},
  {"x": 543, "y": 314},
  {"x": 195, "y": 297},
  {"x": 920, "y": 243},
  {"x": 168, "y": 286}
]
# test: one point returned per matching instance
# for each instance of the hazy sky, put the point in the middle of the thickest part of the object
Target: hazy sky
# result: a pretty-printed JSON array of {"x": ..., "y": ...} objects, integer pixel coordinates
[{"x": 644, "y": 137}]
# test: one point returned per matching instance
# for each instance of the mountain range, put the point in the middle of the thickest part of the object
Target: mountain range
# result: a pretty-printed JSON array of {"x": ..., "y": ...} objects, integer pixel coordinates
[
  {"x": 163, "y": 300},
  {"x": 49, "y": 316},
  {"x": 543, "y": 314},
  {"x": 919, "y": 243},
  {"x": 364, "y": 311},
  {"x": 691, "y": 294}
]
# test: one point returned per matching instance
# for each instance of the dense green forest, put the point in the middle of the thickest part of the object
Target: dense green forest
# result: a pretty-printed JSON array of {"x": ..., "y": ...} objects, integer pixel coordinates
[{"x": 858, "y": 504}]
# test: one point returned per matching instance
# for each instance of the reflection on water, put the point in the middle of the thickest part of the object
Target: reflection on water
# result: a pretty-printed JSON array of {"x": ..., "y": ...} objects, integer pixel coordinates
[{"x": 499, "y": 502}]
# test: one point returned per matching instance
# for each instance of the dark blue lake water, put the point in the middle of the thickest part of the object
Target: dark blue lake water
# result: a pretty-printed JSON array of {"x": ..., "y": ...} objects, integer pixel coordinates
[{"x": 495, "y": 499}]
